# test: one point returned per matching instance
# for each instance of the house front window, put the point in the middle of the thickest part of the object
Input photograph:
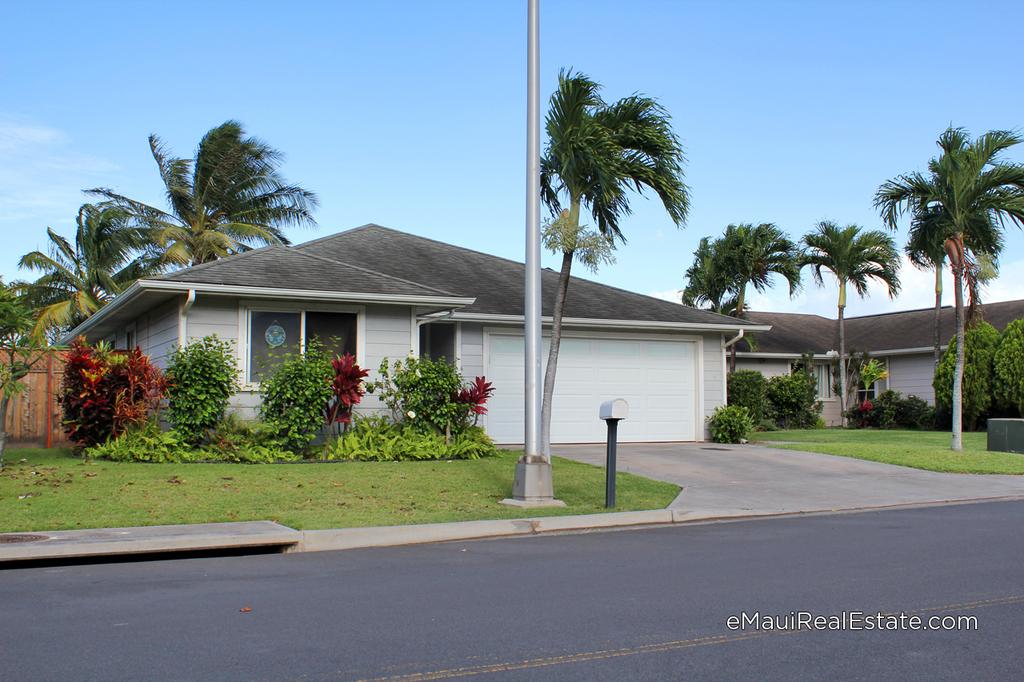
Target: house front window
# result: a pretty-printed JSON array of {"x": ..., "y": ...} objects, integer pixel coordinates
[
  {"x": 823, "y": 374},
  {"x": 273, "y": 334},
  {"x": 867, "y": 393}
]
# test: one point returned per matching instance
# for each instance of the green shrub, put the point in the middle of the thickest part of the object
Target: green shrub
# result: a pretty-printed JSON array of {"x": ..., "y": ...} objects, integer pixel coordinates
[
  {"x": 980, "y": 346},
  {"x": 890, "y": 410},
  {"x": 252, "y": 444},
  {"x": 748, "y": 388},
  {"x": 380, "y": 440},
  {"x": 145, "y": 443},
  {"x": 730, "y": 424},
  {"x": 421, "y": 393},
  {"x": 203, "y": 376},
  {"x": 767, "y": 424},
  {"x": 793, "y": 399},
  {"x": 1008, "y": 368},
  {"x": 296, "y": 394}
]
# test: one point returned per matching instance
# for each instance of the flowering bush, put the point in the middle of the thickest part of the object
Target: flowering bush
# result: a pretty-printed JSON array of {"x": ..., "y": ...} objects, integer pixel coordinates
[
  {"x": 429, "y": 395},
  {"x": 103, "y": 392}
]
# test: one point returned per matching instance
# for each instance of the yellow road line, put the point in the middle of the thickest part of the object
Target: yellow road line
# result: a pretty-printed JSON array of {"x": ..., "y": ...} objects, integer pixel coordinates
[{"x": 658, "y": 647}]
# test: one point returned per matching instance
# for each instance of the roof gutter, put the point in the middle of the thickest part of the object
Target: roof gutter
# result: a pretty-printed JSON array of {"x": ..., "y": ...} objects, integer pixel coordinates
[
  {"x": 650, "y": 325},
  {"x": 308, "y": 294},
  {"x": 106, "y": 311},
  {"x": 876, "y": 353}
]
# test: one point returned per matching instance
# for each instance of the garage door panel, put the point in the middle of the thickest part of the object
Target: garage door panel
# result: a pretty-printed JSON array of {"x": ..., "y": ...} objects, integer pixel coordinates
[{"x": 656, "y": 377}]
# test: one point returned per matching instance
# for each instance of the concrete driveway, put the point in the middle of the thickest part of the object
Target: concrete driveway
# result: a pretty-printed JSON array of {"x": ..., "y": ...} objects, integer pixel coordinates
[{"x": 746, "y": 480}]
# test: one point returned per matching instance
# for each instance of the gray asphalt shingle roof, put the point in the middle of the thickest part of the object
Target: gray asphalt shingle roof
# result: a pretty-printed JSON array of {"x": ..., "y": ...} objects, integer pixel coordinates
[
  {"x": 799, "y": 333},
  {"x": 290, "y": 268},
  {"x": 496, "y": 283}
]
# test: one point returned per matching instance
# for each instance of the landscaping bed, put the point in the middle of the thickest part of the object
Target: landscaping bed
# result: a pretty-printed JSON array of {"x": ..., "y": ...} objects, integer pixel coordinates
[
  {"x": 52, "y": 490},
  {"x": 918, "y": 449}
]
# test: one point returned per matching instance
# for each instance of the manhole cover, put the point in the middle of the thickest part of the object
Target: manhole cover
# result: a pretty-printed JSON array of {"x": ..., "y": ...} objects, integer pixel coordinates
[{"x": 11, "y": 539}]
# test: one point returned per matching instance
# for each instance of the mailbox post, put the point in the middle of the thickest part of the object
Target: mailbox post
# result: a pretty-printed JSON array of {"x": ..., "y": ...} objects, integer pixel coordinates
[{"x": 612, "y": 412}]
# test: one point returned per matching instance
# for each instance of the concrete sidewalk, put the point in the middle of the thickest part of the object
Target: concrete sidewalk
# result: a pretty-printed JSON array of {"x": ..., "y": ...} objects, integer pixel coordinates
[
  {"x": 753, "y": 480},
  {"x": 66, "y": 544}
]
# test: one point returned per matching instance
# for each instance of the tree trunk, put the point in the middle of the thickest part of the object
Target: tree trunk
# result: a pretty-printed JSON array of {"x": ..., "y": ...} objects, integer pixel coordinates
[
  {"x": 937, "y": 332},
  {"x": 958, "y": 373},
  {"x": 842, "y": 353},
  {"x": 4, "y": 402},
  {"x": 556, "y": 341},
  {"x": 740, "y": 295}
]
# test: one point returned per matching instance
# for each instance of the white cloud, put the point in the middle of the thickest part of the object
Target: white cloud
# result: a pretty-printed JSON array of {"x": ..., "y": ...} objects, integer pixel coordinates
[
  {"x": 667, "y": 294},
  {"x": 41, "y": 175},
  {"x": 15, "y": 137}
]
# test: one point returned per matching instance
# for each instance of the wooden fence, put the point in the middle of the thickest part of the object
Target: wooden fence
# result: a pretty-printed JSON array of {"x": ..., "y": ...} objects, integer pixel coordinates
[{"x": 34, "y": 415}]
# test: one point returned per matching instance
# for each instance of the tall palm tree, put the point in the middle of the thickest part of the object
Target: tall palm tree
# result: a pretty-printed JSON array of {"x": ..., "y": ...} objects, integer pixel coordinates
[
  {"x": 708, "y": 283},
  {"x": 751, "y": 255},
  {"x": 78, "y": 279},
  {"x": 596, "y": 153},
  {"x": 227, "y": 199},
  {"x": 924, "y": 249},
  {"x": 855, "y": 257},
  {"x": 973, "y": 193}
]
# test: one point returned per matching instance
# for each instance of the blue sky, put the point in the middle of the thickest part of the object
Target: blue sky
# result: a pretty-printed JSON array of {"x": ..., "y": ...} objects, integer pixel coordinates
[{"x": 412, "y": 114}]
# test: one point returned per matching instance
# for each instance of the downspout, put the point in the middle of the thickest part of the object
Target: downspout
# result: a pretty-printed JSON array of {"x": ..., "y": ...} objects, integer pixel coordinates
[
  {"x": 190, "y": 300},
  {"x": 734, "y": 339},
  {"x": 427, "y": 319},
  {"x": 725, "y": 352}
]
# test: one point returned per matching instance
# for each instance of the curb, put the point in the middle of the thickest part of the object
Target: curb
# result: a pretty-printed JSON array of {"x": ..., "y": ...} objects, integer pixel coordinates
[{"x": 392, "y": 536}]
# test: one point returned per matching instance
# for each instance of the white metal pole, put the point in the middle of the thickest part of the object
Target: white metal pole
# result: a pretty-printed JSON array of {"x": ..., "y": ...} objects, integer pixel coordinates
[{"x": 532, "y": 307}]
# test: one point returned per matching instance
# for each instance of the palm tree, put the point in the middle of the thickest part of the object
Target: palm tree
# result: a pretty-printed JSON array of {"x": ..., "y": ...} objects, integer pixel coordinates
[
  {"x": 924, "y": 249},
  {"x": 78, "y": 279},
  {"x": 855, "y": 257},
  {"x": 708, "y": 283},
  {"x": 971, "y": 193},
  {"x": 596, "y": 153},
  {"x": 751, "y": 255},
  {"x": 227, "y": 199}
]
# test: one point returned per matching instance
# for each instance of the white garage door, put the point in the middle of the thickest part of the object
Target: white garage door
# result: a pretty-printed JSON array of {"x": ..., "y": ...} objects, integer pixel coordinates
[{"x": 656, "y": 377}]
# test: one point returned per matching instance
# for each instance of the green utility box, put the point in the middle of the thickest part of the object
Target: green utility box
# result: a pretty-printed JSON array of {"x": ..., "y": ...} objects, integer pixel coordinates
[{"x": 1006, "y": 435}]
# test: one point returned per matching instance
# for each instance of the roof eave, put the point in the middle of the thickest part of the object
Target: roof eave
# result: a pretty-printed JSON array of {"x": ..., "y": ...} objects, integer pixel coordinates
[
  {"x": 143, "y": 285},
  {"x": 649, "y": 325},
  {"x": 309, "y": 294}
]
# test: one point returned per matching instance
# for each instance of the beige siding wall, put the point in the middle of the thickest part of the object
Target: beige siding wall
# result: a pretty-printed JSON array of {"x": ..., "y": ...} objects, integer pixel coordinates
[
  {"x": 471, "y": 353},
  {"x": 387, "y": 332},
  {"x": 769, "y": 367},
  {"x": 912, "y": 375},
  {"x": 156, "y": 332}
]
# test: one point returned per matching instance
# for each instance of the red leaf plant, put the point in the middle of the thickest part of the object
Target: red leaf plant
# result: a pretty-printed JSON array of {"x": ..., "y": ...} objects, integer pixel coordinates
[
  {"x": 103, "y": 392},
  {"x": 348, "y": 390},
  {"x": 475, "y": 396}
]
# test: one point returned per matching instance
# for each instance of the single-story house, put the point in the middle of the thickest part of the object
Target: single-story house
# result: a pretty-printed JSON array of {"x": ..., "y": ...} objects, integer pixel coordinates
[
  {"x": 902, "y": 340},
  {"x": 381, "y": 293}
]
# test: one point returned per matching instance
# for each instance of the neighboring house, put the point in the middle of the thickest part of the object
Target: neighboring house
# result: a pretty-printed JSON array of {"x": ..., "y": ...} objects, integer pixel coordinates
[
  {"x": 380, "y": 293},
  {"x": 902, "y": 340}
]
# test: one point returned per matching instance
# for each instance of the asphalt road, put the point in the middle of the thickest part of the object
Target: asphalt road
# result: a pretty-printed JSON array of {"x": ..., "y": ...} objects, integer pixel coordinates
[{"x": 627, "y": 605}]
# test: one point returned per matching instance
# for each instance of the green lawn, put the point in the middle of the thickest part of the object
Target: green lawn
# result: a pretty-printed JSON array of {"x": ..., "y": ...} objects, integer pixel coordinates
[
  {"x": 918, "y": 449},
  {"x": 50, "y": 489}
]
